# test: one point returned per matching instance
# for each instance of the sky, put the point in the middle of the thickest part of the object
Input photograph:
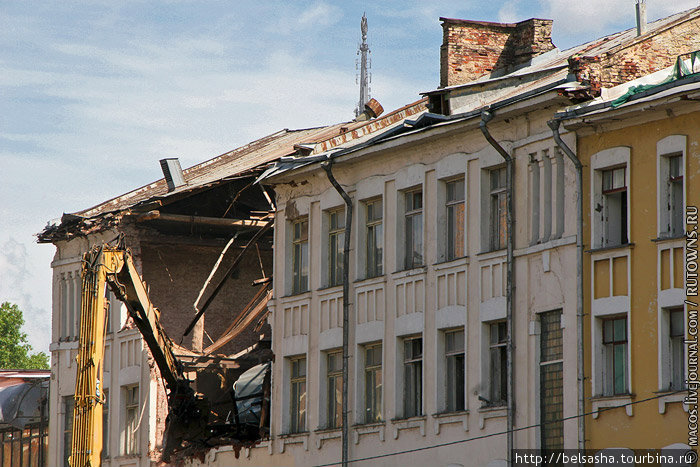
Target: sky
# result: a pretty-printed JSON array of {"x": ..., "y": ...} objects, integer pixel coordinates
[{"x": 92, "y": 95}]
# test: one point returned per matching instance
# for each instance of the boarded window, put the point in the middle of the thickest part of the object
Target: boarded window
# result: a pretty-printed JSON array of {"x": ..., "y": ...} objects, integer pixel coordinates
[{"x": 551, "y": 381}]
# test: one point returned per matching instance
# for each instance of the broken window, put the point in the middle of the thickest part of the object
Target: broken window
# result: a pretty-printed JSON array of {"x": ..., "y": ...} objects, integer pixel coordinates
[
  {"x": 677, "y": 348},
  {"x": 673, "y": 196},
  {"x": 68, "y": 408},
  {"x": 300, "y": 256},
  {"x": 614, "y": 208},
  {"x": 336, "y": 245},
  {"x": 298, "y": 395},
  {"x": 413, "y": 377},
  {"x": 334, "y": 384},
  {"x": 497, "y": 216},
  {"x": 615, "y": 356},
  {"x": 373, "y": 383},
  {"x": 413, "y": 228},
  {"x": 375, "y": 238},
  {"x": 454, "y": 203},
  {"x": 498, "y": 381},
  {"x": 454, "y": 356},
  {"x": 131, "y": 417}
]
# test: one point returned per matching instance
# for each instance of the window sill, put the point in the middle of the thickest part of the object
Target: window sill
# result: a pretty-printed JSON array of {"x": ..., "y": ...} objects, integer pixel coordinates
[
  {"x": 669, "y": 396},
  {"x": 294, "y": 438},
  {"x": 602, "y": 403},
  {"x": 409, "y": 424},
  {"x": 409, "y": 272},
  {"x": 446, "y": 418},
  {"x": 487, "y": 412},
  {"x": 370, "y": 280},
  {"x": 668, "y": 238},
  {"x": 611, "y": 248},
  {"x": 462, "y": 260},
  {"x": 494, "y": 252},
  {"x": 324, "y": 434},
  {"x": 368, "y": 429},
  {"x": 330, "y": 288},
  {"x": 297, "y": 296}
]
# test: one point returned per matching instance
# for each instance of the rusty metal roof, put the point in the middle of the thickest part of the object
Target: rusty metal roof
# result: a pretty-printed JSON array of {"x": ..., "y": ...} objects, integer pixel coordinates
[{"x": 247, "y": 160}]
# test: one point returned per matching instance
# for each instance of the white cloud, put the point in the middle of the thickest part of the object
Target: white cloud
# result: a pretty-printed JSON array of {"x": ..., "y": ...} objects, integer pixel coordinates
[
  {"x": 594, "y": 18},
  {"x": 509, "y": 12}
]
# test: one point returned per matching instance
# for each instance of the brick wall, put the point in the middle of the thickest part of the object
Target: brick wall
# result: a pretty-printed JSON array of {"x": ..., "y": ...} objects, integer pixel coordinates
[
  {"x": 648, "y": 53},
  {"x": 471, "y": 49}
]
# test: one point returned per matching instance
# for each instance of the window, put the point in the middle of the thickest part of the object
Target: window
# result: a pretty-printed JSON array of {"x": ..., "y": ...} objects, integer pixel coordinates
[
  {"x": 614, "y": 208},
  {"x": 615, "y": 356},
  {"x": 373, "y": 383},
  {"x": 375, "y": 238},
  {"x": 413, "y": 377},
  {"x": 454, "y": 203},
  {"x": 68, "y": 406},
  {"x": 298, "y": 395},
  {"x": 69, "y": 290},
  {"x": 677, "y": 349},
  {"x": 300, "y": 256},
  {"x": 131, "y": 419},
  {"x": 674, "y": 195},
  {"x": 454, "y": 384},
  {"x": 334, "y": 385},
  {"x": 105, "y": 425},
  {"x": 551, "y": 381},
  {"x": 497, "y": 363},
  {"x": 414, "y": 229},
  {"x": 497, "y": 221},
  {"x": 336, "y": 247}
]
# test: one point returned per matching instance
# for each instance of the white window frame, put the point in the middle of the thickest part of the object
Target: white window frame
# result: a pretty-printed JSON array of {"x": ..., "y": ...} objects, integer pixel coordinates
[
  {"x": 452, "y": 247},
  {"x": 295, "y": 404},
  {"x": 601, "y": 161},
  {"x": 333, "y": 415},
  {"x": 499, "y": 346},
  {"x": 411, "y": 212},
  {"x": 608, "y": 344},
  {"x": 411, "y": 363},
  {"x": 366, "y": 415},
  {"x": 334, "y": 233},
  {"x": 497, "y": 239},
  {"x": 371, "y": 227},
  {"x": 451, "y": 382},
  {"x": 129, "y": 443},
  {"x": 666, "y": 148},
  {"x": 298, "y": 282}
]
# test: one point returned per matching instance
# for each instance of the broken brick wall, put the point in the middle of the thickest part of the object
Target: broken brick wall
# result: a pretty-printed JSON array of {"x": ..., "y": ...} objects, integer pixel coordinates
[
  {"x": 472, "y": 49},
  {"x": 651, "y": 52},
  {"x": 176, "y": 272}
]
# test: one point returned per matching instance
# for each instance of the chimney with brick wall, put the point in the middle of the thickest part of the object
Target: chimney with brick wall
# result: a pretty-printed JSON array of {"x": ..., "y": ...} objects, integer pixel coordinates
[{"x": 471, "y": 49}]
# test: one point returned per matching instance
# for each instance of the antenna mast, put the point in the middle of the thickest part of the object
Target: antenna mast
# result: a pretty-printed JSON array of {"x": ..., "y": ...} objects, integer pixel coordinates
[{"x": 364, "y": 77}]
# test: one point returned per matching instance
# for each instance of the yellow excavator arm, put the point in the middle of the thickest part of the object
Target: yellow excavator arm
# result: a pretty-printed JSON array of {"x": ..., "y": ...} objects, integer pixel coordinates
[{"x": 113, "y": 266}]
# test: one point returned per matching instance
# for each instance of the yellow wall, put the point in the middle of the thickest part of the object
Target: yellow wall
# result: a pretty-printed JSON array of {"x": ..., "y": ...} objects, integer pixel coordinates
[{"x": 647, "y": 428}]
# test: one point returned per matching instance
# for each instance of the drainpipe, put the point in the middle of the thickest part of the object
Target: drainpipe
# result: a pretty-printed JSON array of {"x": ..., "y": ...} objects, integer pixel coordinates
[
  {"x": 346, "y": 301},
  {"x": 486, "y": 116},
  {"x": 554, "y": 125}
]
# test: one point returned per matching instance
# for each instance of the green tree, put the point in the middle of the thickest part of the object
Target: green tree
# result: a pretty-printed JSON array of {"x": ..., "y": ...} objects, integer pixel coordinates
[{"x": 15, "y": 351}]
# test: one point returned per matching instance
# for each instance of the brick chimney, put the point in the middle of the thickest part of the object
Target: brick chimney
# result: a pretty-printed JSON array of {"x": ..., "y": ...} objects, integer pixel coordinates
[{"x": 471, "y": 49}]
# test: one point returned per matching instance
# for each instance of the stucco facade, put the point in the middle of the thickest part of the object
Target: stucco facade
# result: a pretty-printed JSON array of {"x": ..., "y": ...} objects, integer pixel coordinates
[{"x": 641, "y": 280}]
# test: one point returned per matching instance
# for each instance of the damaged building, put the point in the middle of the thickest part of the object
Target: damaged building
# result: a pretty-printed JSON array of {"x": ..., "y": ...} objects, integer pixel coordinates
[
  {"x": 184, "y": 234},
  {"x": 466, "y": 243}
]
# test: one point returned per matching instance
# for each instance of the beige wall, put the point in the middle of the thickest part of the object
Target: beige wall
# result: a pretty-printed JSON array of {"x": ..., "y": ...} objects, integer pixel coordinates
[{"x": 468, "y": 291}]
